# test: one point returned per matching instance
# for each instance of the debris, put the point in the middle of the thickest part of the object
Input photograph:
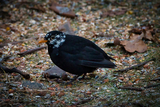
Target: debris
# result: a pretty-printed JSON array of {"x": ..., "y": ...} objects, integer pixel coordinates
[
  {"x": 135, "y": 66},
  {"x": 66, "y": 27},
  {"x": 31, "y": 51},
  {"x": 4, "y": 69},
  {"x": 63, "y": 11},
  {"x": 31, "y": 85},
  {"x": 55, "y": 72}
]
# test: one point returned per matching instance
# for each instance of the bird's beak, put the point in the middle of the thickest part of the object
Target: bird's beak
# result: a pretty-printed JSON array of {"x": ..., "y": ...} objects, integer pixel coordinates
[{"x": 42, "y": 41}]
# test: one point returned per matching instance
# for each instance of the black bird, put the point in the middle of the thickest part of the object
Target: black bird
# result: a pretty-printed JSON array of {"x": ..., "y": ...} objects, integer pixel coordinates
[{"x": 75, "y": 54}]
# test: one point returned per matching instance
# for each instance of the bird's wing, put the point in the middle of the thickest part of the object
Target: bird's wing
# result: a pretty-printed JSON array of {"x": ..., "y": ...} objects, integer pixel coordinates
[{"x": 92, "y": 58}]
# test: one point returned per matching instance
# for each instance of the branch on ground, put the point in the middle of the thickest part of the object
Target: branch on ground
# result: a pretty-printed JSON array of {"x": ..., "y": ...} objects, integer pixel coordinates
[
  {"x": 4, "y": 69},
  {"x": 135, "y": 66},
  {"x": 31, "y": 51}
]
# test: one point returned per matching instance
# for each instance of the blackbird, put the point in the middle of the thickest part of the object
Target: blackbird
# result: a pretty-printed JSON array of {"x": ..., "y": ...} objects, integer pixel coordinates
[{"x": 75, "y": 54}]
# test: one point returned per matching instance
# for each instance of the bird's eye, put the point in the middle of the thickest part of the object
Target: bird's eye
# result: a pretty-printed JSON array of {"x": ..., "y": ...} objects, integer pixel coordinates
[{"x": 52, "y": 37}]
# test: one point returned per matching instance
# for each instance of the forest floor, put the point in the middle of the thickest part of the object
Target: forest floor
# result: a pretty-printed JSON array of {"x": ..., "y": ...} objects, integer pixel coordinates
[{"x": 129, "y": 31}]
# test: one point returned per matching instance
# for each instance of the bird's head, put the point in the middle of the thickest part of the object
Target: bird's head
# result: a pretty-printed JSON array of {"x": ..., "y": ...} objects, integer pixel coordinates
[{"x": 54, "y": 39}]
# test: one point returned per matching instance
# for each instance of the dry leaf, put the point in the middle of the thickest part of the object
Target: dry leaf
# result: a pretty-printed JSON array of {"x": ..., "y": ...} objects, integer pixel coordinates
[
  {"x": 135, "y": 44},
  {"x": 66, "y": 27}
]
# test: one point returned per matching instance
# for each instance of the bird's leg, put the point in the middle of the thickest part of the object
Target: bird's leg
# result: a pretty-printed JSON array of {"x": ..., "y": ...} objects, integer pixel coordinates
[
  {"x": 73, "y": 79},
  {"x": 82, "y": 76}
]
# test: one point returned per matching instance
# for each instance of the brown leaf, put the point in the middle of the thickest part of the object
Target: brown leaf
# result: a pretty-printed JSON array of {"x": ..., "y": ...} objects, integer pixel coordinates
[
  {"x": 61, "y": 94},
  {"x": 11, "y": 91},
  {"x": 41, "y": 93},
  {"x": 135, "y": 44},
  {"x": 148, "y": 35},
  {"x": 121, "y": 78},
  {"x": 53, "y": 94},
  {"x": 66, "y": 27},
  {"x": 88, "y": 93},
  {"x": 146, "y": 66},
  {"x": 106, "y": 80},
  {"x": 51, "y": 88}
]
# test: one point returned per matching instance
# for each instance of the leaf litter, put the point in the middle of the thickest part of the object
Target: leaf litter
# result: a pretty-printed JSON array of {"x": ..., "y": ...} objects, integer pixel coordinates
[{"x": 25, "y": 23}]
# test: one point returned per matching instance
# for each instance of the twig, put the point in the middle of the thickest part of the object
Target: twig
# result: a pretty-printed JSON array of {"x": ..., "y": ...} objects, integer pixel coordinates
[
  {"x": 5, "y": 58},
  {"x": 83, "y": 101},
  {"x": 149, "y": 86},
  {"x": 156, "y": 79},
  {"x": 16, "y": 42},
  {"x": 7, "y": 70},
  {"x": 13, "y": 43},
  {"x": 31, "y": 51},
  {"x": 32, "y": 5},
  {"x": 135, "y": 66},
  {"x": 23, "y": 53},
  {"x": 131, "y": 88},
  {"x": 138, "y": 104},
  {"x": 138, "y": 89}
]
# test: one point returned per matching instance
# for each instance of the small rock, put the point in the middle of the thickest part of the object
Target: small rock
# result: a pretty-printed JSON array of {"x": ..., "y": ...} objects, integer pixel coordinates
[
  {"x": 32, "y": 22},
  {"x": 37, "y": 96},
  {"x": 63, "y": 11},
  {"x": 125, "y": 64},
  {"x": 11, "y": 94},
  {"x": 55, "y": 72},
  {"x": 158, "y": 70},
  {"x": 5, "y": 88},
  {"x": 47, "y": 96},
  {"x": 31, "y": 85}
]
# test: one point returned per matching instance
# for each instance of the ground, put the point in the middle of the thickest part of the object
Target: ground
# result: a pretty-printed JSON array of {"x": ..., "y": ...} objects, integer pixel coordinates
[{"x": 103, "y": 22}]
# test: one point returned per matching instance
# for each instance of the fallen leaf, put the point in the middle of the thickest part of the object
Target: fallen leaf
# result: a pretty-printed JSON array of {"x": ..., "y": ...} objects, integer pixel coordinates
[
  {"x": 53, "y": 94},
  {"x": 11, "y": 91},
  {"x": 88, "y": 93},
  {"x": 61, "y": 94},
  {"x": 121, "y": 78},
  {"x": 134, "y": 44},
  {"x": 106, "y": 80},
  {"x": 66, "y": 27}
]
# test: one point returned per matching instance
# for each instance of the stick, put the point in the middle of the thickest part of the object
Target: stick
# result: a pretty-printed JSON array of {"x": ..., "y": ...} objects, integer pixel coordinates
[
  {"x": 139, "y": 89},
  {"x": 23, "y": 53},
  {"x": 31, "y": 51},
  {"x": 149, "y": 86},
  {"x": 131, "y": 88},
  {"x": 135, "y": 66},
  {"x": 13, "y": 43},
  {"x": 5, "y": 58},
  {"x": 16, "y": 42},
  {"x": 83, "y": 101},
  {"x": 7, "y": 70},
  {"x": 156, "y": 79}
]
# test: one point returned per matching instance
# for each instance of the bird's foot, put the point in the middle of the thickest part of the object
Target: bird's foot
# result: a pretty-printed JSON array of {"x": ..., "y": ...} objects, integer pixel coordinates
[{"x": 82, "y": 77}]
